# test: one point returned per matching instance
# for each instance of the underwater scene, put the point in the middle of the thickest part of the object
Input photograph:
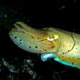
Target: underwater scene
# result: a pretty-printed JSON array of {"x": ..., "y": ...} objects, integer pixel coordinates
[{"x": 40, "y": 40}]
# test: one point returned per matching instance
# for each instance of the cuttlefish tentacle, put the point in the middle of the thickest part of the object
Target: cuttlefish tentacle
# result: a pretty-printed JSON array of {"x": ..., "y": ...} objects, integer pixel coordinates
[{"x": 62, "y": 46}]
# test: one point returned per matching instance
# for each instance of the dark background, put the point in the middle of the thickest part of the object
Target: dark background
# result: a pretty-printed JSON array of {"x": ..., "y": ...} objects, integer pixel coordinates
[{"x": 63, "y": 14}]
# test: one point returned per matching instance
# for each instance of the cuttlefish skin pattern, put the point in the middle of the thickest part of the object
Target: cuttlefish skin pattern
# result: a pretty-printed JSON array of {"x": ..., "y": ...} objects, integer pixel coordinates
[{"x": 62, "y": 45}]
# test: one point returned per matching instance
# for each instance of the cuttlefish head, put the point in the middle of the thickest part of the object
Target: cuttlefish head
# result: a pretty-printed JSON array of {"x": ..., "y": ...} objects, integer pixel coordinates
[{"x": 34, "y": 40}]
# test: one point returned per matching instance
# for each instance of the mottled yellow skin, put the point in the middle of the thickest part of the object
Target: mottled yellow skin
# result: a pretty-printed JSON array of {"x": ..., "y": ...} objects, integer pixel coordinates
[
  {"x": 65, "y": 45},
  {"x": 32, "y": 40}
]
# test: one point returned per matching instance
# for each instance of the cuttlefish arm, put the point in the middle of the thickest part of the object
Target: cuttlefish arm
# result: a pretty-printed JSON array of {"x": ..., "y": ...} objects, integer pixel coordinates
[{"x": 62, "y": 46}]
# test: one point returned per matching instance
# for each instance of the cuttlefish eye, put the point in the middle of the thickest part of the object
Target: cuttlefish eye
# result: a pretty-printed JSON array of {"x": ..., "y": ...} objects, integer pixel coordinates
[{"x": 51, "y": 38}]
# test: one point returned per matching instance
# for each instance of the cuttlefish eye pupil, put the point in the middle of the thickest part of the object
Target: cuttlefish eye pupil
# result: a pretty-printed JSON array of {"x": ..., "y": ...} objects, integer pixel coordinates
[{"x": 51, "y": 38}]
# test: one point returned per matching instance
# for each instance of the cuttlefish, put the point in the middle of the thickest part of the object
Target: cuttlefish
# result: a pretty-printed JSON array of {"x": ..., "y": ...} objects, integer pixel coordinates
[{"x": 63, "y": 46}]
